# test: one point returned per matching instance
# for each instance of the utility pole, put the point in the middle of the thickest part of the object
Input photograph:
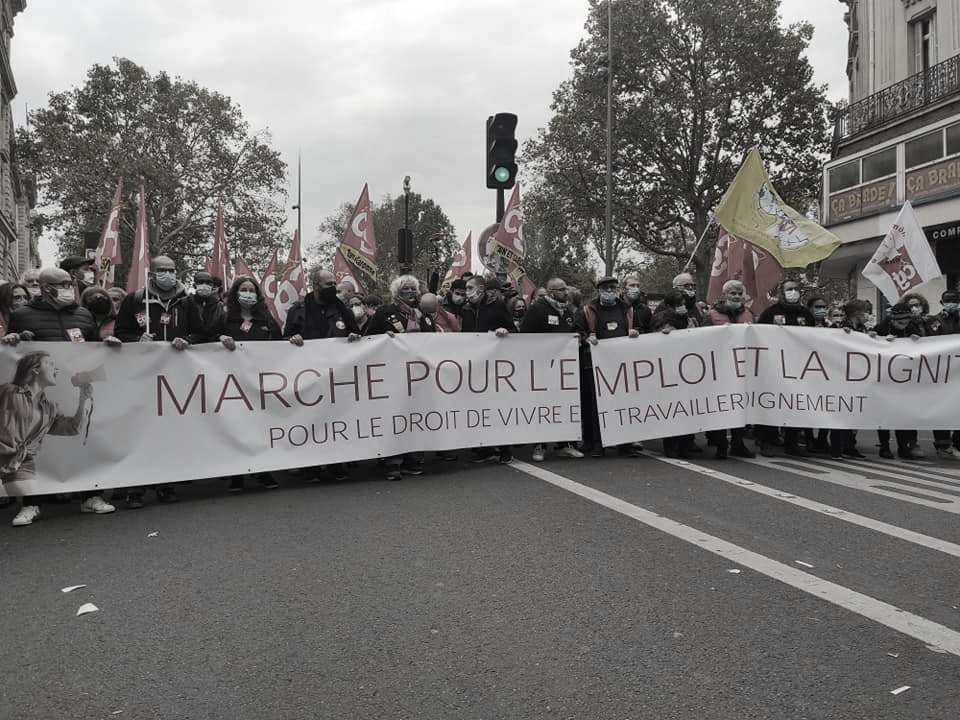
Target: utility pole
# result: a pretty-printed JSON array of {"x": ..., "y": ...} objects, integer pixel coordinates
[
  {"x": 608, "y": 245},
  {"x": 297, "y": 206}
]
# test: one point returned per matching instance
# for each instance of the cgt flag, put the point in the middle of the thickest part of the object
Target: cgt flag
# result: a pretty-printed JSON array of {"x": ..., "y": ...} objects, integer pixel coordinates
[
  {"x": 218, "y": 264},
  {"x": 508, "y": 240},
  {"x": 751, "y": 209},
  {"x": 904, "y": 259},
  {"x": 357, "y": 252},
  {"x": 269, "y": 286},
  {"x": 736, "y": 259},
  {"x": 461, "y": 263},
  {"x": 141, "y": 248},
  {"x": 292, "y": 285},
  {"x": 108, "y": 254}
]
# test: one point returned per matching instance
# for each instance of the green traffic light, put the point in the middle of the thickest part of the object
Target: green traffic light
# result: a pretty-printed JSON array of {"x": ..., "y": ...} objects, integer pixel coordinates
[{"x": 501, "y": 174}]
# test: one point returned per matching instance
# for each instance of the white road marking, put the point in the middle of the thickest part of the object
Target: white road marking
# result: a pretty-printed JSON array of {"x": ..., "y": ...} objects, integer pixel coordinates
[
  {"x": 917, "y": 627},
  {"x": 848, "y": 477},
  {"x": 895, "y": 531}
]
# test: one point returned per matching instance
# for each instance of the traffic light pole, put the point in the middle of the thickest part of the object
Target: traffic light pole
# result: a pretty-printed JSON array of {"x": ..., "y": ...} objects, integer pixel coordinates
[{"x": 500, "y": 204}]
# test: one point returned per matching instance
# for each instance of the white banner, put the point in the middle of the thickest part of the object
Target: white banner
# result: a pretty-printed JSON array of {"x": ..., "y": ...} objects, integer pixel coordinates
[
  {"x": 903, "y": 260},
  {"x": 158, "y": 415},
  {"x": 732, "y": 375}
]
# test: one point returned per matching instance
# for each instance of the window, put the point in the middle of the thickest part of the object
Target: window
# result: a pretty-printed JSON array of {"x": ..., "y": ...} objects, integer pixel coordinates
[
  {"x": 880, "y": 164},
  {"x": 923, "y": 42},
  {"x": 844, "y": 176},
  {"x": 953, "y": 140},
  {"x": 924, "y": 149}
]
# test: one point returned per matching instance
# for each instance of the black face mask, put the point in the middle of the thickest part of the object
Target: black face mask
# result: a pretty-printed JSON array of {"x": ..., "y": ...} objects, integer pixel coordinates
[
  {"x": 99, "y": 306},
  {"x": 328, "y": 294}
]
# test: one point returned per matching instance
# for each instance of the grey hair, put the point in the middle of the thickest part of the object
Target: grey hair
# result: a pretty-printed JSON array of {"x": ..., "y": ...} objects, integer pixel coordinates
[
  {"x": 400, "y": 281},
  {"x": 732, "y": 285}
]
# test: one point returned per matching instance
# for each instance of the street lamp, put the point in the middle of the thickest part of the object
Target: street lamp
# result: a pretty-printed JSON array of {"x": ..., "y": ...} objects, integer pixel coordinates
[
  {"x": 609, "y": 204},
  {"x": 297, "y": 206},
  {"x": 404, "y": 236}
]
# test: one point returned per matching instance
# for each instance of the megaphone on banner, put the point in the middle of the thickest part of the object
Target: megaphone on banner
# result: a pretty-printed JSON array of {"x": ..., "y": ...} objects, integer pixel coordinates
[{"x": 90, "y": 376}]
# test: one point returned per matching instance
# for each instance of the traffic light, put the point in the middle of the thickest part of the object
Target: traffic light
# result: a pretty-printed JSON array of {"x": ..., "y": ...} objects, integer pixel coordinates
[{"x": 501, "y": 151}]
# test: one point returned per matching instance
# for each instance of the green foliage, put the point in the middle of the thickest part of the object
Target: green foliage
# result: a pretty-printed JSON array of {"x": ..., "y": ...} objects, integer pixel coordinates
[
  {"x": 696, "y": 84},
  {"x": 434, "y": 238},
  {"x": 188, "y": 145}
]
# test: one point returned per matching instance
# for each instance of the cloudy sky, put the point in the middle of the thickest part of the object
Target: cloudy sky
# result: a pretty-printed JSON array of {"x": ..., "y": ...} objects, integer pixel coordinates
[{"x": 366, "y": 90}]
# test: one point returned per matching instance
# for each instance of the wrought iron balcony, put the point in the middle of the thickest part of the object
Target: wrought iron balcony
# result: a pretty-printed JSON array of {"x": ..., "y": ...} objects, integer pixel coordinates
[{"x": 925, "y": 88}]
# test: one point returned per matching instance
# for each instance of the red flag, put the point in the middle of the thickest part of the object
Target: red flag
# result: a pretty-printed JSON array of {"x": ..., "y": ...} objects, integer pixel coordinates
[
  {"x": 358, "y": 248},
  {"x": 508, "y": 240},
  {"x": 269, "y": 285},
  {"x": 292, "y": 285},
  {"x": 108, "y": 249},
  {"x": 527, "y": 288},
  {"x": 462, "y": 262},
  {"x": 757, "y": 269},
  {"x": 242, "y": 268},
  {"x": 343, "y": 271},
  {"x": 141, "y": 248},
  {"x": 218, "y": 264}
]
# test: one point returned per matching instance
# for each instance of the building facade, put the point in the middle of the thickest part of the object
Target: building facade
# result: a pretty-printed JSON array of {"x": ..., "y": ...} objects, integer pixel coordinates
[
  {"x": 898, "y": 139},
  {"x": 18, "y": 239}
]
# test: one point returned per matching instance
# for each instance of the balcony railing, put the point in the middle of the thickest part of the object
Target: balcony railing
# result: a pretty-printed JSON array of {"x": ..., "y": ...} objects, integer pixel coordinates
[{"x": 925, "y": 88}]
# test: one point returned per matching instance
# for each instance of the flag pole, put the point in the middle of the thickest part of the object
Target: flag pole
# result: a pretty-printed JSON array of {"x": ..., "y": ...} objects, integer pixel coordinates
[
  {"x": 146, "y": 297},
  {"x": 697, "y": 246}
]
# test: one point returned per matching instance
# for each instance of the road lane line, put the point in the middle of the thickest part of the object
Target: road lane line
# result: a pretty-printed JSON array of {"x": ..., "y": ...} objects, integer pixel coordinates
[
  {"x": 926, "y": 631},
  {"x": 895, "y": 531}
]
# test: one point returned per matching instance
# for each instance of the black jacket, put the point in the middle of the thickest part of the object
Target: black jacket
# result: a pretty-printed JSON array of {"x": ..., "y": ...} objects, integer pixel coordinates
[
  {"x": 391, "y": 318},
  {"x": 793, "y": 314},
  {"x": 49, "y": 324},
  {"x": 605, "y": 321},
  {"x": 313, "y": 320},
  {"x": 914, "y": 327},
  {"x": 170, "y": 318},
  {"x": 211, "y": 311},
  {"x": 262, "y": 326},
  {"x": 485, "y": 316},
  {"x": 542, "y": 317}
]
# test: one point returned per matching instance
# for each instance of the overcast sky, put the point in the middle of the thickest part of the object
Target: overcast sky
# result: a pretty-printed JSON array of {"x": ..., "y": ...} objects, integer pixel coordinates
[{"x": 367, "y": 90}]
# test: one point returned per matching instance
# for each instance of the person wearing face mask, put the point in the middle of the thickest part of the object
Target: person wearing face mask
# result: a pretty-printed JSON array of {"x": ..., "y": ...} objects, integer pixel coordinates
[
  {"x": 31, "y": 279},
  {"x": 728, "y": 310},
  {"x": 453, "y": 300},
  {"x": 246, "y": 318},
  {"x": 484, "y": 310},
  {"x": 902, "y": 321},
  {"x": 117, "y": 294},
  {"x": 359, "y": 311},
  {"x": 517, "y": 308},
  {"x": 551, "y": 314},
  {"x": 637, "y": 299},
  {"x": 787, "y": 311},
  {"x": 12, "y": 297},
  {"x": 55, "y": 316},
  {"x": 402, "y": 315},
  {"x": 685, "y": 285},
  {"x": 820, "y": 310},
  {"x": 606, "y": 316},
  {"x": 946, "y": 322},
  {"x": 321, "y": 314},
  {"x": 82, "y": 272},
  {"x": 206, "y": 299},
  {"x": 96, "y": 300}
]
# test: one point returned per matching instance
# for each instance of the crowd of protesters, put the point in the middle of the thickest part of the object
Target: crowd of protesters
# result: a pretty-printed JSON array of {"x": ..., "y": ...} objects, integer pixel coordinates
[{"x": 65, "y": 304}]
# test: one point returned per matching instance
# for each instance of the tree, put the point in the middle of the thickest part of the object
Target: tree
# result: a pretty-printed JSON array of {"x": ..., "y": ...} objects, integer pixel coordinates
[
  {"x": 696, "y": 85},
  {"x": 189, "y": 146},
  {"x": 435, "y": 241}
]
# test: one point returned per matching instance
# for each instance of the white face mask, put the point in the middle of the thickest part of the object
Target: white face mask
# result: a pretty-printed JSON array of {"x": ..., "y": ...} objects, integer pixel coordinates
[
  {"x": 89, "y": 277},
  {"x": 34, "y": 291},
  {"x": 65, "y": 297},
  {"x": 791, "y": 296},
  {"x": 358, "y": 311}
]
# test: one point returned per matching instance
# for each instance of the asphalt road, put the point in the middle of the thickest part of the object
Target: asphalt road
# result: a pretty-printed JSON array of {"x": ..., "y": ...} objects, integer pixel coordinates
[{"x": 593, "y": 589}]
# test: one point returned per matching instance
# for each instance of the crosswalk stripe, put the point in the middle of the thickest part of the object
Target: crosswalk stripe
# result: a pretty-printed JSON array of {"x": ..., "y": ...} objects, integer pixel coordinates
[
  {"x": 895, "y": 531},
  {"x": 926, "y": 631}
]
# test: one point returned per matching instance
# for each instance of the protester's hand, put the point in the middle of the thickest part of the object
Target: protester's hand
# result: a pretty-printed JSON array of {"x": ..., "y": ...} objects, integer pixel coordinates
[
  {"x": 501, "y": 332},
  {"x": 296, "y": 340},
  {"x": 666, "y": 329},
  {"x": 592, "y": 339},
  {"x": 634, "y": 333},
  {"x": 391, "y": 333},
  {"x": 27, "y": 335},
  {"x": 872, "y": 333},
  {"x": 228, "y": 342},
  {"x": 86, "y": 391},
  {"x": 352, "y": 337},
  {"x": 846, "y": 330},
  {"x": 180, "y": 343},
  {"x": 112, "y": 341},
  {"x": 13, "y": 339},
  {"x": 146, "y": 337},
  {"x": 890, "y": 338},
  {"x": 914, "y": 337}
]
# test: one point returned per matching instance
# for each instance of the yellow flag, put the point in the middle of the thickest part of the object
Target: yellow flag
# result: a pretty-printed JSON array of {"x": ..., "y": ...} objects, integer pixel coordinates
[{"x": 752, "y": 210}]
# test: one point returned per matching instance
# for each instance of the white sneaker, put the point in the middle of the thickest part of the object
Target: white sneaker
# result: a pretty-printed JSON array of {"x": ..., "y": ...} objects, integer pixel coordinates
[
  {"x": 948, "y": 453},
  {"x": 27, "y": 514},
  {"x": 96, "y": 504},
  {"x": 539, "y": 453},
  {"x": 569, "y": 451}
]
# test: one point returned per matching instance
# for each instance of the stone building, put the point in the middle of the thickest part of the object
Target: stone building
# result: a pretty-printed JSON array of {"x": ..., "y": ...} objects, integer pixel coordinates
[
  {"x": 899, "y": 137},
  {"x": 18, "y": 241}
]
